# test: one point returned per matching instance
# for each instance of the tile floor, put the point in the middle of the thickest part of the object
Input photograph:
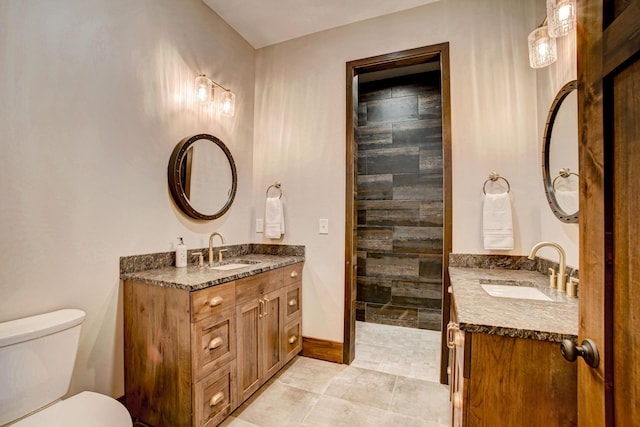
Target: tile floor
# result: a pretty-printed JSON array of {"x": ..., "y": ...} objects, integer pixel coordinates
[{"x": 392, "y": 382}]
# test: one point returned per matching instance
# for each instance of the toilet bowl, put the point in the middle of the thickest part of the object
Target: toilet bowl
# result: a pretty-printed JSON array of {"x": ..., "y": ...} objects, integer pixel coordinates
[{"x": 37, "y": 355}]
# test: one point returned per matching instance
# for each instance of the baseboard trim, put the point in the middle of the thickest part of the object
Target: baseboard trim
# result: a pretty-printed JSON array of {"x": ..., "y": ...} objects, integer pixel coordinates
[{"x": 322, "y": 349}]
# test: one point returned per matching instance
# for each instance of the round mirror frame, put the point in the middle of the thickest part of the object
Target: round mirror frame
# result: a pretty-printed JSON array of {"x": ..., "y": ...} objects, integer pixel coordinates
[
  {"x": 175, "y": 172},
  {"x": 548, "y": 181}
]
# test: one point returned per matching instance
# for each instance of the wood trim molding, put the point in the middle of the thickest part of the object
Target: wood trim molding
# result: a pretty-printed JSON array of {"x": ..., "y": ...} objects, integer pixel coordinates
[
  {"x": 420, "y": 55},
  {"x": 329, "y": 351}
]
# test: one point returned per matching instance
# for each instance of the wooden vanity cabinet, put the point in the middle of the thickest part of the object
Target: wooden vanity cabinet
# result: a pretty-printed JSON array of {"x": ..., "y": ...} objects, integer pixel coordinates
[
  {"x": 269, "y": 328},
  {"x": 505, "y": 381},
  {"x": 191, "y": 358},
  {"x": 179, "y": 350}
]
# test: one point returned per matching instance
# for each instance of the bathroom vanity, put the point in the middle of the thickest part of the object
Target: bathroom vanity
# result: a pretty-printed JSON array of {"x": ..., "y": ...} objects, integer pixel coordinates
[
  {"x": 505, "y": 365},
  {"x": 200, "y": 341}
]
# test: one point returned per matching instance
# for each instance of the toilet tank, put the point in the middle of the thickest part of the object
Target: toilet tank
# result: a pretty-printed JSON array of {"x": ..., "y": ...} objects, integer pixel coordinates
[{"x": 37, "y": 355}]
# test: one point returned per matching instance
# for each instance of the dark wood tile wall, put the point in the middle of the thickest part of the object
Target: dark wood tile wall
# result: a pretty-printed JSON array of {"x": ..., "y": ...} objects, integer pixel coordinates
[{"x": 400, "y": 201}]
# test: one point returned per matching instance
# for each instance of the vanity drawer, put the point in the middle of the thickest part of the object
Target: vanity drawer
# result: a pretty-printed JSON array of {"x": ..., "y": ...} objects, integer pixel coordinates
[
  {"x": 292, "y": 273},
  {"x": 214, "y": 397},
  {"x": 255, "y": 286},
  {"x": 213, "y": 300},
  {"x": 213, "y": 343},
  {"x": 292, "y": 340},
  {"x": 293, "y": 302}
]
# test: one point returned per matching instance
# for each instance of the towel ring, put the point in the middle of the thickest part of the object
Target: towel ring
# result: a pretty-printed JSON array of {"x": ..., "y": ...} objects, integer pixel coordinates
[
  {"x": 277, "y": 186},
  {"x": 564, "y": 173},
  {"x": 493, "y": 177}
]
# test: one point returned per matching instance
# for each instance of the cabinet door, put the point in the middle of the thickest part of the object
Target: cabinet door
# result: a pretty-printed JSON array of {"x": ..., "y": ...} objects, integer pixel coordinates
[
  {"x": 271, "y": 333},
  {"x": 248, "y": 318}
]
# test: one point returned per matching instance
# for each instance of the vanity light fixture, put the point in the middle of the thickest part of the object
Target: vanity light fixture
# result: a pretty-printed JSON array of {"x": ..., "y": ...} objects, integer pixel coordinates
[
  {"x": 542, "y": 47},
  {"x": 562, "y": 17},
  {"x": 205, "y": 91}
]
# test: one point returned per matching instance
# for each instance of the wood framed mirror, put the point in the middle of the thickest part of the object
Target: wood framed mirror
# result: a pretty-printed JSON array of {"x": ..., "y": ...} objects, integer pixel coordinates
[
  {"x": 560, "y": 155},
  {"x": 202, "y": 177}
]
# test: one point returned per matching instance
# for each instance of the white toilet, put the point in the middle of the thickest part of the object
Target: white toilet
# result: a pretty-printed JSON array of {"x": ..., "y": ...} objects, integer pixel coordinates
[{"x": 37, "y": 355}]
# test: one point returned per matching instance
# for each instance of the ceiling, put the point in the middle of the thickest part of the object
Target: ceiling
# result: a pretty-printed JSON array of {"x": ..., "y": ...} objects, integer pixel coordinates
[{"x": 266, "y": 22}]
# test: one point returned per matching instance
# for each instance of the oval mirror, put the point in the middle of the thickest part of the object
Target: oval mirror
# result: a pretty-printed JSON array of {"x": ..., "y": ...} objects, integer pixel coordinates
[
  {"x": 202, "y": 177},
  {"x": 560, "y": 155}
]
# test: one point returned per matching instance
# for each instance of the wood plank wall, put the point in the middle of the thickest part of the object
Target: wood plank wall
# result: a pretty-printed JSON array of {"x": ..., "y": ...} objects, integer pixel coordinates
[{"x": 400, "y": 201}]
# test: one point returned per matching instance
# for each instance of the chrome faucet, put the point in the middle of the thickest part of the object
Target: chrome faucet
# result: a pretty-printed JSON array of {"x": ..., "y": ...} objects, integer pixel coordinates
[
  {"x": 562, "y": 277},
  {"x": 215, "y": 233}
]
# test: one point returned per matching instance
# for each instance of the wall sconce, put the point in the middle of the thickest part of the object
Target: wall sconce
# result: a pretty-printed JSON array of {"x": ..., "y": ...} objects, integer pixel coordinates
[
  {"x": 205, "y": 91},
  {"x": 562, "y": 17},
  {"x": 542, "y": 47},
  {"x": 560, "y": 20}
]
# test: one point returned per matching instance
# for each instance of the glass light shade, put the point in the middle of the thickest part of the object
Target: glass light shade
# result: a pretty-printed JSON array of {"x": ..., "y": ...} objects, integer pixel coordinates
[
  {"x": 542, "y": 48},
  {"x": 228, "y": 103},
  {"x": 203, "y": 88},
  {"x": 561, "y": 17}
]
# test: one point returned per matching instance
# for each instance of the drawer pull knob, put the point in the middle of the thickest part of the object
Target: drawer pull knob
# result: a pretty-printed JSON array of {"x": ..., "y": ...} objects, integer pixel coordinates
[
  {"x": 294, "y": 274},
  {"x": 215, "y": 301},
  {"x": 292, "y": 339},
  {"x": 215, "y": 343},
  {"x": 216, "y": 398},
  {"x": 292, "y": 302}
]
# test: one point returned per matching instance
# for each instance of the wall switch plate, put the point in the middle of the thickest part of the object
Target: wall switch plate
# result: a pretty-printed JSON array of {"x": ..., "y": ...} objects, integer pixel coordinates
[
  {"x": 324, "y": 226},
  {"x": 259, "y": 225}
]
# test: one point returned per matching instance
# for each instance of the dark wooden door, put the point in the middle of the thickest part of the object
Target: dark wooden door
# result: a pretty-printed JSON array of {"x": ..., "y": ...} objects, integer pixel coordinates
[{"x": 609, "y": 113}]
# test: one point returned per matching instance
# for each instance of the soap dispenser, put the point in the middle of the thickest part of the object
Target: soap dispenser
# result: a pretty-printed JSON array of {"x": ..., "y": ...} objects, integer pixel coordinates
[{"x": 181, "y": 253}]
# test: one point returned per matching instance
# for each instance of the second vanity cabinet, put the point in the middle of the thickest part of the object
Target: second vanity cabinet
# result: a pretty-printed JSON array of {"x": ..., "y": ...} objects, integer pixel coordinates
[
  {"x": 192, "y": 357},
  {"x": 500, "y": 376}
]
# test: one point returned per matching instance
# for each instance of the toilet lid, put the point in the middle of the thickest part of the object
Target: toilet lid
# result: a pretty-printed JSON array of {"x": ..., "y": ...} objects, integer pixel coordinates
[{"x": 82, "y": 410}]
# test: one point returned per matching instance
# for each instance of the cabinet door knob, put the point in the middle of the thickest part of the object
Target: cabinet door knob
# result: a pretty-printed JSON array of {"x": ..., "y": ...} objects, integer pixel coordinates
[
  {"x": 260, "y": 308},
  {"x": 292, "y": 339},
  {"x": 587, "y": 350},
  {"x": 292, "y": 302},
  {"x": 266, "y": 306},
  {"x": 294, "y": 274},
  {"x": 216, "y": 398},
  {"x": 457, "y": 400},
  {"x": 215, "y": 301},
  {"x": 215, "y": 343}
]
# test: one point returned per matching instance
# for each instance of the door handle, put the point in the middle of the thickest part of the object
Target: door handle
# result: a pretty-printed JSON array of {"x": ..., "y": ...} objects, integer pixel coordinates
[{"x": 588, "y": 351}]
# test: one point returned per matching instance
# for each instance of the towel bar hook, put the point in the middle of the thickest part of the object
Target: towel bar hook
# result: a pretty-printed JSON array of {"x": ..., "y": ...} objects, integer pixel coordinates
[
  {"x": 277, "y": 186},
  {"x": 493, "y": 177}
]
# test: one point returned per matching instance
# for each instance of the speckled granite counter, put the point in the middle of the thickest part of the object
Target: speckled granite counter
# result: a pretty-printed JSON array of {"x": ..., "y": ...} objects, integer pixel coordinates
[
  {"x": 161, "y": 268},
  {"x": 480, "y": 312}
]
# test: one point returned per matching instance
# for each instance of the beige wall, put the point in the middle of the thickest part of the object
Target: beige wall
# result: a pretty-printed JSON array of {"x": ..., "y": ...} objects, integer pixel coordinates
[
  {"x": 300, "y": 130},
  {"x": 94, "y": 95}
]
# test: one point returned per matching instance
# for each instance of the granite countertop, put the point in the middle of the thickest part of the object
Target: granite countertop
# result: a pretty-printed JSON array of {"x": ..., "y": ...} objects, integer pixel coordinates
[
  {"x": 193, "y": 278},
  {"x": 479, "y": 312}
]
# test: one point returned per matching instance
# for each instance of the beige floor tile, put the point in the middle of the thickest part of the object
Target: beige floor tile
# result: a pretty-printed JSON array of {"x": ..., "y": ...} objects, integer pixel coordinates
[
  {"x": 232, "y": 421},
  {"x": 277, "y": 405},
  {"x": 363, "y": 386},
  {"x": 309, "y": 374},
  {"x": 334, "y": 412},
  {"x": 421, "y": 399}
]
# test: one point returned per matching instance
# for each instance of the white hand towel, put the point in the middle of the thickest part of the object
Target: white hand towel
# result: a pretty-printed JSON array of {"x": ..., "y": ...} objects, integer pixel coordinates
[
  {"x": 273, "y": 218},
  {"x": 497, "y": 224}
]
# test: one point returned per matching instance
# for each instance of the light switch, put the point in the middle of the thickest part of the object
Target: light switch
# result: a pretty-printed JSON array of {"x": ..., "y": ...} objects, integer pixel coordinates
[
  {"x": 259, "y": 225},
  {"x": 324, "y": 226}
]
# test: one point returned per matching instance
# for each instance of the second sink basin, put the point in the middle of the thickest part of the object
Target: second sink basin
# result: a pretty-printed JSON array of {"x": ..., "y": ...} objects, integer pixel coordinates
[
  {"x": 233, "y": 265},
  {"x": 521, "y": 292}
]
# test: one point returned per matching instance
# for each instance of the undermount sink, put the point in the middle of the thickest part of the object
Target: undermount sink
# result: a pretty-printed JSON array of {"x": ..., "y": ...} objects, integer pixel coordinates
[
  {"x": 513, "y": 289},
  {"x": 233, "y": 265}
]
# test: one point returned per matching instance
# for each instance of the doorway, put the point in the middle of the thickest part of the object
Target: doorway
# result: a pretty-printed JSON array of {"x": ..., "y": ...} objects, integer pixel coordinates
[{"x": 398, "y": 175}]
